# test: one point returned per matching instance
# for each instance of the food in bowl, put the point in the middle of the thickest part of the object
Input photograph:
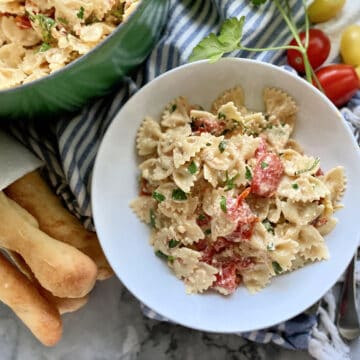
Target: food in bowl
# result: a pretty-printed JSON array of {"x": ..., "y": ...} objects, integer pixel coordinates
[
  {"x": 230, "y": 197},
  {"x": 40, "y": 37}
]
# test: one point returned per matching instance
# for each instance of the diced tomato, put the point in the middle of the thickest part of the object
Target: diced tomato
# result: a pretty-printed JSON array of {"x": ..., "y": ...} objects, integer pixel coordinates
[
  {"x": 203, "y": 220},
  {"x": 221, "y": 243},
  {"x": 261, "y": 149},
  {"x": 267, "y": 175},
  {"x": 244, "y": 217},
  {"x": 202, "y": 125},
  {"x": 144, "y": 187},
  {"x": 226, "y": 278},
  {"x": 23, "y": 22},
  {"x": 201, "y": 245},
  {"x": 320, "y": 221},
  {"x": 319, "y": 172}
]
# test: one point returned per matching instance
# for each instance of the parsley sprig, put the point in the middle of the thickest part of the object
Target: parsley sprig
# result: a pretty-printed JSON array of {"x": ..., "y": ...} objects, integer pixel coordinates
[{"x": 213, "y": 47}]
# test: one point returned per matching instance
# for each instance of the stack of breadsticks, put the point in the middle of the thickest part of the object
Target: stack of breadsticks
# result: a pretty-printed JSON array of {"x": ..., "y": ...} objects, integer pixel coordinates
[{"x": 51, "y": 262}]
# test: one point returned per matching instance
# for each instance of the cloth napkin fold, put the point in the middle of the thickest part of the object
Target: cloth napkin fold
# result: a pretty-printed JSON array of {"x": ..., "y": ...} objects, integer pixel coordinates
[{"x": 69, "y": 145}]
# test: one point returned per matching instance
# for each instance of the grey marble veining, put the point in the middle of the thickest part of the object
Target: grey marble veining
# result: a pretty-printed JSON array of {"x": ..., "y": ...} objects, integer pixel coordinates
[{"x": 112, "y": 327}]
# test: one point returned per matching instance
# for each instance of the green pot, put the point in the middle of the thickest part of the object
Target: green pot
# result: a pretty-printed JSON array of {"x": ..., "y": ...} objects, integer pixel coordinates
[{"x": 93, "y": 74}]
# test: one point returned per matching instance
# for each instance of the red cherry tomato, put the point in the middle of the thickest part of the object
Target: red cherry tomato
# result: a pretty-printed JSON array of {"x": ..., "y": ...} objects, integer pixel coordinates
[
  {"x": 339, "y": 81},
  {"x": 267, "y": 175},
  {"x": 318, "y": 50}
]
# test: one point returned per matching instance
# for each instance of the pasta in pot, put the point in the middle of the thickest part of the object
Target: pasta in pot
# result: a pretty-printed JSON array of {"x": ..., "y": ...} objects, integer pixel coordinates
[
  {"x": 230, "y": 197},
  {"x": 44, "y": 36}
]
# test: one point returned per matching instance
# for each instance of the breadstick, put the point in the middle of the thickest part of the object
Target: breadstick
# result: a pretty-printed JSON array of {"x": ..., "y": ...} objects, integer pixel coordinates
[
  {"x": 33, "y": 194},
  {"x": 64, "y": 305},
  {"x": 22, "y": 297},
  {"x": 60, "y": 268},
  {"x": 23, "y": 213}
]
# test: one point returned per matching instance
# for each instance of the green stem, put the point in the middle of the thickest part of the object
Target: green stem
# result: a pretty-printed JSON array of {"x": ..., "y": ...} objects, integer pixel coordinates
[
  {"x": 285, "y": 47},
  {"x": 307, "y": 26},
  {"x": 308, "y": 68}
]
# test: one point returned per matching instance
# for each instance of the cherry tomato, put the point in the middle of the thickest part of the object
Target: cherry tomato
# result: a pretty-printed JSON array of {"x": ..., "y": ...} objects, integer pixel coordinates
[
  {"x": 267, "y": 175},
  {"x": 324, "y": 10},
  {"x": 318, "y": 50},
  {"x": 339, "y": 81},
  {"x": 357, "y": 70},
  {"x": 350, "y": 45},
  {"x": 226, "y": 278}
]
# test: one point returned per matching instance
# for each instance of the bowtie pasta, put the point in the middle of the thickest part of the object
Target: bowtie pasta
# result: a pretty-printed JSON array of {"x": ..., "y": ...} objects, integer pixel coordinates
[
  {"x": 230, "y": 197},
  {"x": 40, "y": 37}
]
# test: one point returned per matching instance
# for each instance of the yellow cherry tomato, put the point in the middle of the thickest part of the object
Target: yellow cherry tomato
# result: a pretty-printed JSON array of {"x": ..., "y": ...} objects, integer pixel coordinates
[
  {"x": 324, "y": 10},
  {"x": 357, "y": 69},
  {"x": 350, "y": 45}
]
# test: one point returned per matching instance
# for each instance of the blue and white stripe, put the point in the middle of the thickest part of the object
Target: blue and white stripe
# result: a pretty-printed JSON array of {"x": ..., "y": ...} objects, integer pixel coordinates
[{"x": 69, "y": 145}]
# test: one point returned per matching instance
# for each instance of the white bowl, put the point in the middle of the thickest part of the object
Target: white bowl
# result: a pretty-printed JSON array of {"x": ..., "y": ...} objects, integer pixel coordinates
[{"x": 322, "y": 132}]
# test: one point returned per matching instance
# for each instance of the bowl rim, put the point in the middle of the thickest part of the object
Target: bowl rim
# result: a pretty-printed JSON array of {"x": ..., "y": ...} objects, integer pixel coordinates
[
  {"x": 96, "y": 192},
  {"x": 78, "y": 60}
]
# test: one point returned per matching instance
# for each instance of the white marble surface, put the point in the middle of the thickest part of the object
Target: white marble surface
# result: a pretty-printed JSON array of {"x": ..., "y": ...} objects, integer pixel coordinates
[{"x": 111, "y": 326}]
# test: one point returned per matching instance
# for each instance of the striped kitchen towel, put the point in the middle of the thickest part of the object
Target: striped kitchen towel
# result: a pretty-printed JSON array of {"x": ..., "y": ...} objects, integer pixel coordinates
[{"x": 69, "y": 146}]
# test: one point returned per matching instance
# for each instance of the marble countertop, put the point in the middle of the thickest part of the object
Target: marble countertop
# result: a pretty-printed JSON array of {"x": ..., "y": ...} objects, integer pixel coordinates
[{"x": 111, "y": 326}]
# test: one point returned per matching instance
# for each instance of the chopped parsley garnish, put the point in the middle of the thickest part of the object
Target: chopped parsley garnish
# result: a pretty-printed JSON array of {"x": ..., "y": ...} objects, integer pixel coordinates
[
  {"x": 295, "y": 186},
  {"x": 80, "y": 13},
  {"x": 45, "y": 23},
  {"x": 223, "y": 204},
  {"x": 158, "y": 196},
  {"x": 192, "y": 168},
  {"x": 222, "y": 146},
  {"x": 118, "y": 11},
  {"x": 230, "y": 182},
  {"x": 178, "y": 194},
  {"x": 312, "y": 167},
  {"x": 161, "y": 255},
  {"x": 207, "y": 232},
  {"x": 173, "y": 108},
  {"x": 264, "y": 165},
  {"x": 221, "y": 116},
  {"x": 44, "y": 47},
  {"x": 248, "y": 173},
  {"x": 277, "y": 268},
  {"x": 173, "y": 243},
  {"x": 208, "y": 144},
  {"x": 270, "y": 247},
  {"x": 152, "y": 218},
  {"x": 201, "y": 217},
  {"x": 268, "y": 226}
]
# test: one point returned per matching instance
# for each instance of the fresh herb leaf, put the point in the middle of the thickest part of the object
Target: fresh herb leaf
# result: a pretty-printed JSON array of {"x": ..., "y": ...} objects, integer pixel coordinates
[
  {"x": 201, "y": 217},
  {"x": 192, "y": 168},
  {"x": 44, "y": 47},
  {"x": 270, "y": 247},
  {"x": 268, "y": 226},
  {"x": 80, "y": 13},
  {"x": 264, "y": 165},
  {"x": 222, "y": 146},
  {"x": 173, "y": 243},
  {"x": 178, "y": 194},
  {"x": 277, "y": 268},
  {"x": 221, "y": 116},
  {"x": 248, "y": 173},
  {"x": 207, "y": 232},
  {"x": 223, "y": 204},
  {"x": 152, "y": 218},
  {"x": 312, "y": 167},
  {"x": 208, "y": 144},
  {"x": 230, "y": 182},
  {"x": 161, "y": 255},
  {"x": 214, "y": 47},
  {"x": 295, "y": 186},
  {"x": 158, "y": 196},
  {"x": 173, "y": 108},
  {"x": 45, "y": 23},
  {"x": 118, "y": 11}
]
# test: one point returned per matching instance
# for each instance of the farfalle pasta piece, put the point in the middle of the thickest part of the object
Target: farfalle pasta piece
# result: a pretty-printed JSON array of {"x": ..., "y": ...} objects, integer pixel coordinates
[
  {"x": 201, "y": 278},
  {"x": 259, "y": 206},
  {"x": 160, "y": 240},
  {"x": 284, "y": 252},
  {"x": 297, "y": 164},
  {"x": 294, "y": 145},
  {"x": 10, "y": 77},
  {"x": 155, "y": 169},
  {"x": 335, "y": 181},
  {"x": 188, "y": 147},
  {"x": 234, "y": 95},
  {"x": 256, "y": 276},
  {"x": 301, "y": 213},
  {"x": 311, "y": 244},
  {"x": 274, "y": 212},
  {"x": 326, "y": 226},
  {"x": 141, "y": 206},
  {"x": 167, "y": 142},
  {"x": 186, "y": 175},
  {"x": 176, "y": 113},
  {"x": 187, "y": 230},
  {"x": 304, "y": 188},
  {"x": 11, "y": 7},
  {"x": 231, "y": 117},
  {"x": 278, "y": 136},
  {"x": 281, "y": 105},
  {"x": 148, "y": 137},
  {"x": 254, "y": 123},
  {"x": 246, "y": 145}
]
